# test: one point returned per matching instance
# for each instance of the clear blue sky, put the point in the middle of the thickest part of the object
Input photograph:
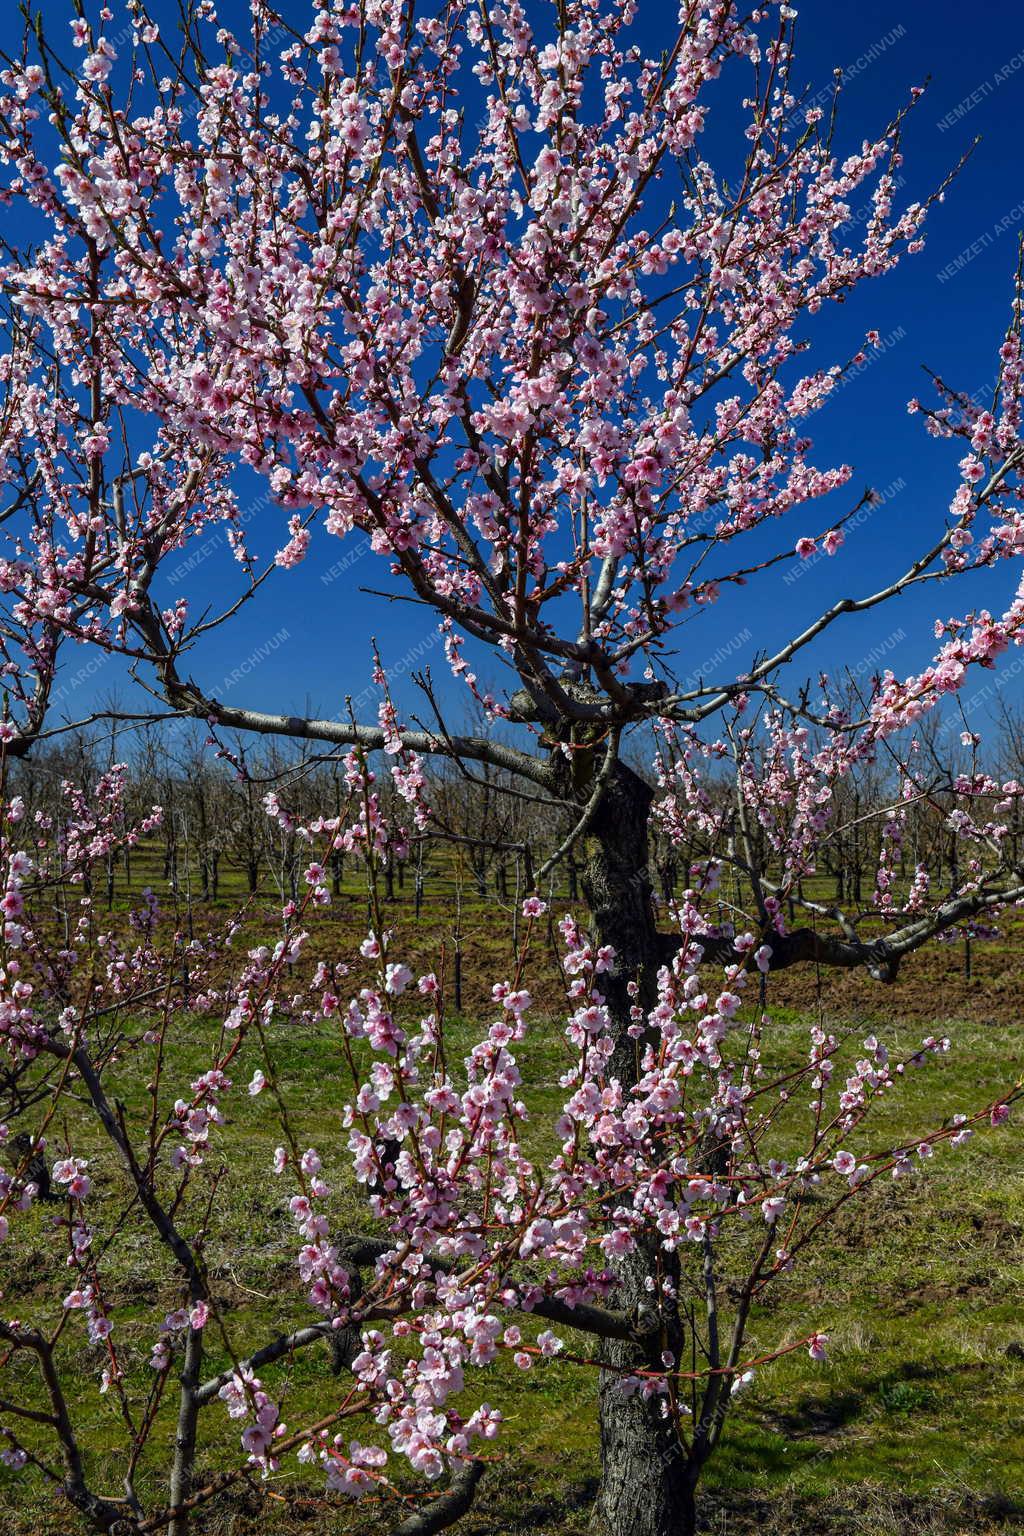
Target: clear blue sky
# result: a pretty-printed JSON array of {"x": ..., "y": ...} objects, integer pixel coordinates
[{"x": 304, "y": 645}]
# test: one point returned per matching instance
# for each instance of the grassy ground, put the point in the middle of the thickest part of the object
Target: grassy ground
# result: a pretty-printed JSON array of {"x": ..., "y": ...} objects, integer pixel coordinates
[{"x": 915, "y": 1425}]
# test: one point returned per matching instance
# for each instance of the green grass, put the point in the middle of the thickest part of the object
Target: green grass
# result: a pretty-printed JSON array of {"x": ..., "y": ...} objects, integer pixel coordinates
[{"x": 915, "y": 1424}]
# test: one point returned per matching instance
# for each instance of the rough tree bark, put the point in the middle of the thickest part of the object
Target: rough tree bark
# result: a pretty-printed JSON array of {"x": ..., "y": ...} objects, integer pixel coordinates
[{"x": 647, "y": 1486}]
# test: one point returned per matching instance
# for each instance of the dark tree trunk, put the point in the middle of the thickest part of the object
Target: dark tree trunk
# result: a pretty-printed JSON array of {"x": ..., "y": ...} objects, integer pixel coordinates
[
  {"x": 617, "y": 889},
  {"x": 647, "y": 1482},
  {"x": 647, "y": 1486}
]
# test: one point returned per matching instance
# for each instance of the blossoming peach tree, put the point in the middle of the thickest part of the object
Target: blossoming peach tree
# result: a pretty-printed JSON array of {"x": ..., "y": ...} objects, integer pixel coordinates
[{"x": 459, "y": 278}]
